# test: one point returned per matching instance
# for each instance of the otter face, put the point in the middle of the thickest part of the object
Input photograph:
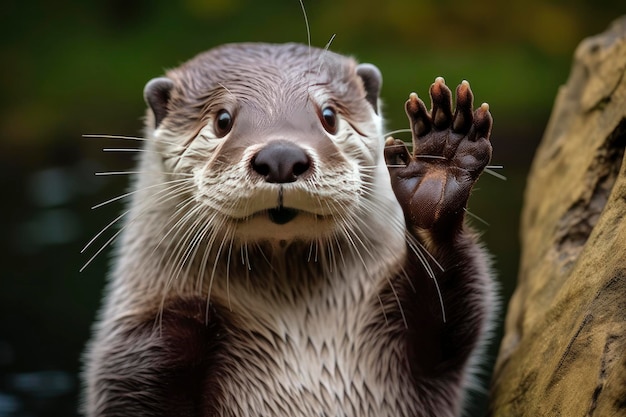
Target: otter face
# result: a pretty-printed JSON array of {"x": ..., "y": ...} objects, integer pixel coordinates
[{"x": 275, "y": 142}]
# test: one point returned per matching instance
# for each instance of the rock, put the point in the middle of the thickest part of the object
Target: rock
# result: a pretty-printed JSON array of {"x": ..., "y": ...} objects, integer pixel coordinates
[{"x": 564, "y": 349}]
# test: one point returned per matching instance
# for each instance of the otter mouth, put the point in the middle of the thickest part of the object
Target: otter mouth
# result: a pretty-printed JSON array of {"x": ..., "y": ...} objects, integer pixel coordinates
[{"x": 282, "y": 215}]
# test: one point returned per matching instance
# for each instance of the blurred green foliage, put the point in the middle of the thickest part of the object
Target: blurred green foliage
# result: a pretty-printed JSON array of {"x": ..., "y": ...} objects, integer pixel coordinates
[{"x": 79, "y": 65}]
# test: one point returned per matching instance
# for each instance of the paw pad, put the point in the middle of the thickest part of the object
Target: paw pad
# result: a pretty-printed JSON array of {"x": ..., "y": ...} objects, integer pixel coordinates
[{"x": 450, "y": 150}]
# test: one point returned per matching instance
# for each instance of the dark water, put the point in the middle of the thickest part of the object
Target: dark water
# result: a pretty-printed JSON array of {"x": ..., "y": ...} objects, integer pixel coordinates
[{"x": 46, "y": 304}]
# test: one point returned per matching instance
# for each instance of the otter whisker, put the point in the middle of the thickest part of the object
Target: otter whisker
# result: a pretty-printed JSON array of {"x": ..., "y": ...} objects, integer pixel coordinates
[
  {"x": 330, "y": 41},
  {"x": 107, "y": 136},
  {"x": 420, "y": 246},
  {"x": 247, "y": 256},
  {"x": 398, "y": 302},
  {"x": 426, "y": 156},
  {"x": 165, "y": 155},
  {"x": 393, "y": 132},
  {"x": 360, "y": 225},
  {"x": 193, "y": 238},
  {"x": 178, "y": 220},
  {"x": 227, "y": 90},
  {"x": 215, "y": 264},
  {"x": 382, "y": 309},
  {"x": 180, "y": 233},
  {"x": 189, "y": 245},
  {"x": 321, "y": 58},
  {"x": 398, "y": 145},
  {"x": 205, "y": 229},
  {"x": 170, "y": 266},
  {"x": 200, "y": 284},
  {"x": 132, "y": 138},
  {"x": 423, "y": 156},
  {"x": 175, "y": 262},
  {"x": 495, "y": 174},
  {"x": 110, "y": 240},
  {"x": 331, "y": 259},
  {"x": 212, "y": 227},
  {"x": 138, "y": 190},
  {"x": 208, "y": 229},
  {"x": 308, "y": 28},
  {"x": 480, "y": 219},
  {"x": 129, "y": 150},
  {"x": 413, "y": 245},
  {"x": 242, "y": 254},
  {"x": 107, "y": 173},
  {"x": 343, "y": 258},
  {"x": 308, "y": 258},
  {"x": 93, "y": 239},
  {"x": 349, "y": 235},
  {"x": 205, "y": 262},
  {"x": 230, "y": 251},
  {"x": 308, "y": 40},
  {"x": 418, "y": 249},
  {"x": 106, "y": 244},
  {"x": 263, "y": 255}
]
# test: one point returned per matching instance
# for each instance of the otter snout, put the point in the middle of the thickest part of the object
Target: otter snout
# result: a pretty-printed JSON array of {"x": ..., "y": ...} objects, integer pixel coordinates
[{"x": 281, "y": 162}]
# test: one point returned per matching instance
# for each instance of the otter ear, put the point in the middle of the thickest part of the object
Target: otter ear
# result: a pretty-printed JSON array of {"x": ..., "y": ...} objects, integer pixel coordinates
[
  {"x": 372, "y": 81},
  {"x": 157, "y": 95}
]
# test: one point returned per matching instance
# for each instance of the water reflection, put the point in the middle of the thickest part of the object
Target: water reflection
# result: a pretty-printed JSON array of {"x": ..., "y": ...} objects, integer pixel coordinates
[
  {"x": 46, "y": 305},
  {"x": 52, "y": 192},
  {"x": 34, "y": 393}
]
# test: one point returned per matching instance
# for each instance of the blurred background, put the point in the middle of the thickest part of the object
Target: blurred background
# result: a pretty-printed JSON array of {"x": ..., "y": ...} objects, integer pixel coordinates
[{"x": 74, "y": 67}]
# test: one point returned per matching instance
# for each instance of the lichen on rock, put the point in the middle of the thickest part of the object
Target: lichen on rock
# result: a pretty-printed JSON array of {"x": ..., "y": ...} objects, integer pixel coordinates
[{"x": 564, "y": 349}]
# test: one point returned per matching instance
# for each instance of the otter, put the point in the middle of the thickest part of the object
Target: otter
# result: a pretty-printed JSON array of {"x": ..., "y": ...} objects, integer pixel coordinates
[{"x": 281, "y": 257}]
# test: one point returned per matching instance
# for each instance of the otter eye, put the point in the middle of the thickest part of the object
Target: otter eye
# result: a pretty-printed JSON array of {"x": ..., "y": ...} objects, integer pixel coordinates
[
  {"x": 223, "y": 123},
  {"x": 329, "y": 120}
]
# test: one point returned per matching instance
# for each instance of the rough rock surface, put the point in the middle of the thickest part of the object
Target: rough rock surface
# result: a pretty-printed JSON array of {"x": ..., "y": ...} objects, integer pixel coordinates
[{"x": 564, "y": 350}]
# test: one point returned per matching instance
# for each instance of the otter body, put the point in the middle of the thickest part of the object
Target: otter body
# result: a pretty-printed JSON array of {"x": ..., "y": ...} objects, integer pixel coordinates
[{"x": 281, "y": 258}]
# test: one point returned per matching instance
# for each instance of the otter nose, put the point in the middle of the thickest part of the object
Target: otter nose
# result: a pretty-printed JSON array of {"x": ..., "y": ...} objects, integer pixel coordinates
[{"x": 281, "y": 162}]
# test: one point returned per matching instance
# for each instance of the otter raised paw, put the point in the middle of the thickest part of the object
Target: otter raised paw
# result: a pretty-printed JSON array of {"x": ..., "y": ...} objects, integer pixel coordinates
[
  {"x": 450, "y": 301},
  {"x": 450, "y": 150}
]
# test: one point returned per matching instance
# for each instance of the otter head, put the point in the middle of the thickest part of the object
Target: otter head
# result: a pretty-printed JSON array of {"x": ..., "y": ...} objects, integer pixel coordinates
[{"x": 271, "y": 142}]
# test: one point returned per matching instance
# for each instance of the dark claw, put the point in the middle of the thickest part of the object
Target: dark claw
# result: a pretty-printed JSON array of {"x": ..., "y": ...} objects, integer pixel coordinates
[
  {"x": 463, "y": 116},
  {"x": 421, "y": 122},
  {"x": 441, "y": 98},
  {"x": 482, "y": 122},
  {"x": 433, "y": 183}
]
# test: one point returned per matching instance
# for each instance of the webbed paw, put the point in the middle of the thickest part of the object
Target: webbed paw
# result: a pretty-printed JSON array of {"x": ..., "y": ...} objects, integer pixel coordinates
[{"x": 450, "y": 150}]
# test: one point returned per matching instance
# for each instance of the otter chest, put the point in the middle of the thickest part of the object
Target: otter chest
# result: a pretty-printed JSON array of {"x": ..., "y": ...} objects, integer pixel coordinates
[{"x": 324, "y": 368}]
